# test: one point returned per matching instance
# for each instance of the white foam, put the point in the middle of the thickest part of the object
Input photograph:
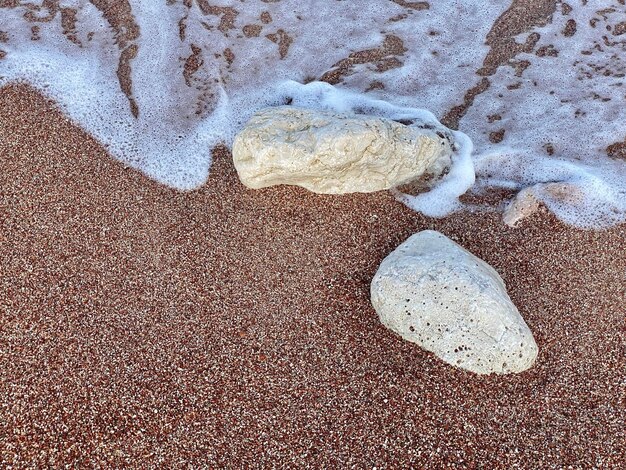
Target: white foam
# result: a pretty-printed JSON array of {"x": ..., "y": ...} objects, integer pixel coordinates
[
  {"x": 558, "y": 106},
  {"x": 181, "y": 120},
  {"x": 443, "y": 199}
]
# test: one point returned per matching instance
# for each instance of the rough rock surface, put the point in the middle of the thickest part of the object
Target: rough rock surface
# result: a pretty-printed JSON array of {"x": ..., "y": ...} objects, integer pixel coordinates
[
  {"x": 336, "y": 153},
  {"x": 435, "y": 293}
]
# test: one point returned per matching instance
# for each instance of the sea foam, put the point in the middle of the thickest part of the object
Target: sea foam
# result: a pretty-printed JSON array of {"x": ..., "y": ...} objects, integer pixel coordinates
[{"x": 197, "y": 70}]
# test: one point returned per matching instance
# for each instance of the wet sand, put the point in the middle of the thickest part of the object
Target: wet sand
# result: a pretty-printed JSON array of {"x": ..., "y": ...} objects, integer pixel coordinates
[{"x": 141, "y": 326}]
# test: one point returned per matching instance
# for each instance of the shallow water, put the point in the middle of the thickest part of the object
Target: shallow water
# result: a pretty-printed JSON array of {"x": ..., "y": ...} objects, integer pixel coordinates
[{"x": 538, "y": 86}]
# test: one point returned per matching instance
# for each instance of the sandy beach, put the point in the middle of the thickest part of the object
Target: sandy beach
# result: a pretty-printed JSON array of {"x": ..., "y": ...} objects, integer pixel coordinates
[{"x": 145, "y": 327}]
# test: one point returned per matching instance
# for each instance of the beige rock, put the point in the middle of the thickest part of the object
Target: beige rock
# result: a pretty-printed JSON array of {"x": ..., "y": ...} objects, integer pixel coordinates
[
  {"x": 336, "y": 153},
  {"x": 524, "y": 204},
  {"x": 526, "y": 201},
  {"x": 435, "y": 293}
]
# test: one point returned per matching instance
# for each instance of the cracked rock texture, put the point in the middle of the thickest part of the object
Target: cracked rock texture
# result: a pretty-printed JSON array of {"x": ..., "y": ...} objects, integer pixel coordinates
[
  {"x": 333, "y": 153},
  {"x": 435, "y": 293}
]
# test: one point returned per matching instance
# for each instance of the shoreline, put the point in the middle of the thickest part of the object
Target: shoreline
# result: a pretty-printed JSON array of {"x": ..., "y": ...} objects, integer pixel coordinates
[{"x": 141, "y": 324}]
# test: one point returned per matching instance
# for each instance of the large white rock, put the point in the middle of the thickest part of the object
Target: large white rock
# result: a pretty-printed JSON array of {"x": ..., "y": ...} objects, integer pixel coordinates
[
  {"x": 336, "y": 153},
  {"x": 435, "y": 293}
]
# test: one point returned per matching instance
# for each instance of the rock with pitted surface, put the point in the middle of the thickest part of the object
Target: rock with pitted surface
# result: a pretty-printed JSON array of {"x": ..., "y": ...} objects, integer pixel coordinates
[
  {"x": 435, "y": 293},
  {"x": 334, "y": 153}
]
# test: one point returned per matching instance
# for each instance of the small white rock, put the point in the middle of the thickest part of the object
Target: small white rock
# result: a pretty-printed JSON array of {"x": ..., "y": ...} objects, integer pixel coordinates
[
  {"x": 336, "y": 153},
  {"x": 435, "y": 293}
]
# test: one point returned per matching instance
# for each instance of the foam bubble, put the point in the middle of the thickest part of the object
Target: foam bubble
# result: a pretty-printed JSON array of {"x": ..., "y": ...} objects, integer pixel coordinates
[{"x": 443, "y": 199}]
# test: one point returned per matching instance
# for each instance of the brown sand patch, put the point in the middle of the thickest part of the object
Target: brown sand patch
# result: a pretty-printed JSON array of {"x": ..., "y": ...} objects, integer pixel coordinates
[
  {"x": 192, "y": 64},
  {"x": 400, "y": 17},
  {"x": 205, "y": 101},
  {"x": 141, "y": 326},
  {"x": 547, "y": 51},
  {"x": 182, "y": 23},
  {"x": 452, "y": 117},
  {"x": 570, "y": 28},
  {"x": 265, "y": 17},
  {"x": 520, "y": 17},
  {"x": 120, "y": 17},
  {"x": 35, "y": 33},
  {"x": 124, "y": 76},
  {"x": 227, "y": 15},
  {"x": 252, "y": 30},
  {"x": 229, "y": 55},
  {"x": 384, "y": 57},
  {"x": 283, "y": 40},
  {"x": 43, "y": 13},
  {"x": 496, "y": 137},
  {"x": 413, "y": 5},
  {"x": 619, "y": 29},
  {"x": 617, "y": 150},
  {"x": 68, "y": 23}
]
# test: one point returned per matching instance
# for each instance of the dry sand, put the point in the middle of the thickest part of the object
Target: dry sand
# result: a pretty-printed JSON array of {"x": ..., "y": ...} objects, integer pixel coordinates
[{"x": 140, "y": 326}]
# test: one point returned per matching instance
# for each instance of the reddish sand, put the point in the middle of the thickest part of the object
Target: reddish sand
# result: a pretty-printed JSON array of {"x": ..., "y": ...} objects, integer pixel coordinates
[{"x": 140, "y": 326}]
